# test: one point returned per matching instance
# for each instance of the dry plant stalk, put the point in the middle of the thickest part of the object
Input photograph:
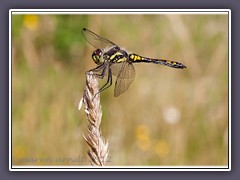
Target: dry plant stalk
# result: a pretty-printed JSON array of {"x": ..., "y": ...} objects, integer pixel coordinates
[{"x": 98, "y": 147}]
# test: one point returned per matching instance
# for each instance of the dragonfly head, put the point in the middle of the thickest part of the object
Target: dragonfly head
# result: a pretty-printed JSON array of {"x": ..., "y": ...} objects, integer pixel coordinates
[{"x": 97, "y": 56}]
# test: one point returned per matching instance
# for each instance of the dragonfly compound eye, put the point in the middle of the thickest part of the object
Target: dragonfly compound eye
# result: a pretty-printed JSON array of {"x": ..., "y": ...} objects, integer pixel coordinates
[{"x": 97, "y": 56}]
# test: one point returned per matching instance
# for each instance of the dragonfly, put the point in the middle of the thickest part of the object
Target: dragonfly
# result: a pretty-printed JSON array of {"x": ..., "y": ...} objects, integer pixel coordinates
[{"x": 113, "y": 60}]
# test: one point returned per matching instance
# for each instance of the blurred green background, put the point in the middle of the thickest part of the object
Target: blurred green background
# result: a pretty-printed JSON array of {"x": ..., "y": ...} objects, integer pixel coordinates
[{"x": 167, "y": 117}]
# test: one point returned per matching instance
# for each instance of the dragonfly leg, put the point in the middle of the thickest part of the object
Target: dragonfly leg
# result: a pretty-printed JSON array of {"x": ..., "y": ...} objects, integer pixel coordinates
[
  {"x": 108, "y": 83},
  {"x": 103, "y": 67},
  {"x": 98, "y": 69}
]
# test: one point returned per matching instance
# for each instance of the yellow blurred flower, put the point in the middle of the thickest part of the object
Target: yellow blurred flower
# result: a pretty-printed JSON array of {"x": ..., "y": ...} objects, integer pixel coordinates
[
  {"x": 161, "y": 148},
  {"x": 142, "y": 136},
  {"x": 31, "y": 22},
  {"x": 19, "y": 152}
]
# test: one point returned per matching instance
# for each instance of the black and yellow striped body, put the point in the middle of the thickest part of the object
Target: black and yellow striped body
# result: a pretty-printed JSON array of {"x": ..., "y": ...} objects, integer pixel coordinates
[
  {"x": 134, "y": 58},
  {"x": 115, "y": 55}
]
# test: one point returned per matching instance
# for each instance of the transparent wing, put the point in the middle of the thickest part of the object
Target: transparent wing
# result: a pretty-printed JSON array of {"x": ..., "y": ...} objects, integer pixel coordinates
[
  {"x": 116, "y": 68},
  {"x": 96, "y": 40},
  {"x": 124, "y": 79}
]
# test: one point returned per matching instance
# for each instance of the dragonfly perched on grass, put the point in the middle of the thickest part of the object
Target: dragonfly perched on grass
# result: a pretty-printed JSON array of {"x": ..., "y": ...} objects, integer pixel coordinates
[{"x": 112, "y": 60}]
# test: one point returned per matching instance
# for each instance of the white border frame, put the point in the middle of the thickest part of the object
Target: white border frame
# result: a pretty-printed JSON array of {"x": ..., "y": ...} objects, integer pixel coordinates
[{"x": 120, "y": 168}]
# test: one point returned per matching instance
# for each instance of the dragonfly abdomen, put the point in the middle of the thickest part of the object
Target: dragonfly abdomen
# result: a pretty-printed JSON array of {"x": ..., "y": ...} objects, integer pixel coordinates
[
  {"x": 169, "y": 63},
  {"x": 134, "y": 58}
]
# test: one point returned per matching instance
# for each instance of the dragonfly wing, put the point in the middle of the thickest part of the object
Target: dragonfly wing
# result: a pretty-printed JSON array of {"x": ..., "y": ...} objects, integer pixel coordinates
[
  {"x": 116, "y": 68},
  {"x": 96, "y": 40},
  {"x": 124, "y": 79}
]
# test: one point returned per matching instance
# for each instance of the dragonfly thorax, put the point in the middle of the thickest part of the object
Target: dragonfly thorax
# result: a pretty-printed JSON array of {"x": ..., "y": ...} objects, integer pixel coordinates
[{"x": 97, "y": 56}]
